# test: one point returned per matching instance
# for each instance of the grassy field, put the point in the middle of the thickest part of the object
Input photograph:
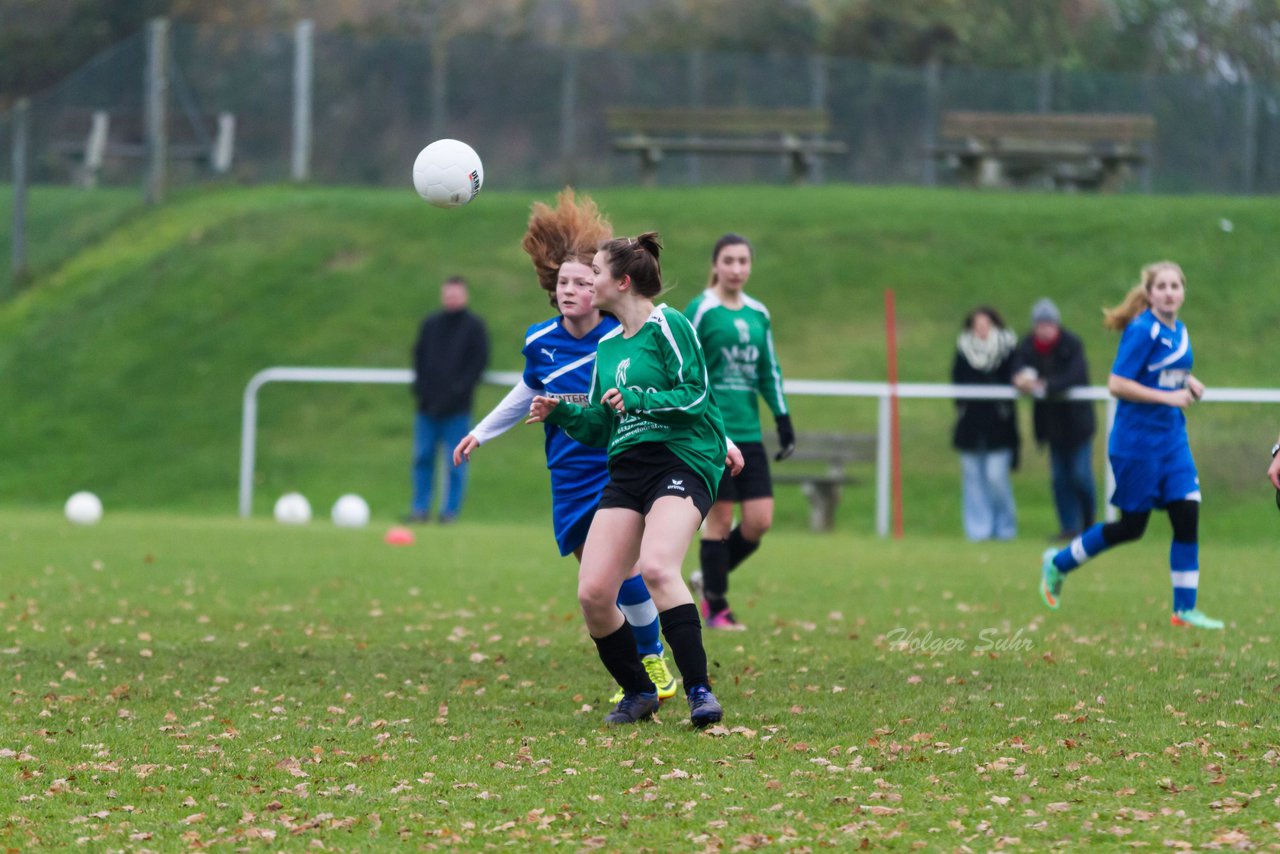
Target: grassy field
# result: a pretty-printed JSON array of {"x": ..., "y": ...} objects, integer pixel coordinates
[
  {"x": 62, "y": 221},
  {"x": 123, "y": 361},
  {"x": 179, "y": 681}
]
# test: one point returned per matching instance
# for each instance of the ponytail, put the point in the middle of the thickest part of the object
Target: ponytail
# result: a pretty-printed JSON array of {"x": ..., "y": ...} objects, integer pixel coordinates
[
  {"x": 1134, "y": 303},
  {"x": 636, "y": 257}
]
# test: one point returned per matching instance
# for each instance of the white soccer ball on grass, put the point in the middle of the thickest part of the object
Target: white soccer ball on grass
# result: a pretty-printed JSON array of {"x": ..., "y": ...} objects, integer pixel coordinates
[
  {"x": 448, "y": 173},
  {"x": 350, "y": 511},
  {"x": 83, "y": 508},
  {"x": 292, "y": 508}
]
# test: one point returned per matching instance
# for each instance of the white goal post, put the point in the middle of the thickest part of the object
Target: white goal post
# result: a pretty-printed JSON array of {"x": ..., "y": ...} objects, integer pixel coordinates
[{"x": 883, "y": 392}]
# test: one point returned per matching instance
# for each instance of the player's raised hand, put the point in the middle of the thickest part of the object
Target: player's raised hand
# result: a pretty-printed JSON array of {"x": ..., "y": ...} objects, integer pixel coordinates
[
  {"x": 540, "y": 409},
  {"x": 462, "y": 453}
]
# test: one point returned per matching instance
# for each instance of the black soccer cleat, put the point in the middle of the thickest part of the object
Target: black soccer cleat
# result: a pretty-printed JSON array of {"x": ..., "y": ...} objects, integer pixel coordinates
[
  {"x": 633, "y": 708},
  {"x": 704, "y": 708}
]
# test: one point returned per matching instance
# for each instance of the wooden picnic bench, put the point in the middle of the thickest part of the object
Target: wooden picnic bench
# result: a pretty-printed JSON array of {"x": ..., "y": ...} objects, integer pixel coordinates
[
  {"x": 101, "y": 136},
  {"x": 1063, "y": 150},
  {"x": 819, "y": 466},
  {"x": 796, "y": 134}
]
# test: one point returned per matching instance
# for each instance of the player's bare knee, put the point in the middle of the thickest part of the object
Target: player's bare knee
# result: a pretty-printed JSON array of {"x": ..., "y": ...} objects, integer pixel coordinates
[
  {"x": 656, "y": 575},
  {"x": 596, "y": 598}
]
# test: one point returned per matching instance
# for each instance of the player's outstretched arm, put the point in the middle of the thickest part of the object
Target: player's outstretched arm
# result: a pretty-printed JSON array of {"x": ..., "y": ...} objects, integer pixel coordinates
[
  {"x": 591, "y": 425},
  {"x": 507, "y": 414},
  {"x": 540, "y": 408}
]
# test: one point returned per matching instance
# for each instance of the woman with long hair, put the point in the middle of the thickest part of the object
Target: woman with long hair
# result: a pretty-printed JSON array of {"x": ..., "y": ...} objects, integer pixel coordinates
[{"x": 986, "y": 431}]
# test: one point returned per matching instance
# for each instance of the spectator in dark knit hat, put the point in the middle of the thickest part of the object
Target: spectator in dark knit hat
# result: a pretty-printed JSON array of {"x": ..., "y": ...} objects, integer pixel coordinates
[{"x": 1048, "y": 362}]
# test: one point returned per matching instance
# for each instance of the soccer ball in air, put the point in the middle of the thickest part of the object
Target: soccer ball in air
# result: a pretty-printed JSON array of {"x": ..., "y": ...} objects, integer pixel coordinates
[
  {"x": 83, "y": 508},
  {"x": 292, "y": 508},
  {"x": 350, "y": 511},
  {"x": 448, "y": 173}
]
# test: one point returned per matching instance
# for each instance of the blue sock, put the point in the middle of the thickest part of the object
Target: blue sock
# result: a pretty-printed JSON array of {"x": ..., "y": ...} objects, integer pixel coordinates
[
  {"x": 1184, "y": 567},
  {"x": 1079, "y": 550},
  {"x": 638, "y": 608}
]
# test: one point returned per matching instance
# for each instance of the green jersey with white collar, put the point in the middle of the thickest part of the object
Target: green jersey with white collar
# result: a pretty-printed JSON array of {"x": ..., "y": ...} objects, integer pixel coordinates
[
  {"x": 741, "y": 361},
  {"x": 662, "y": 374}
]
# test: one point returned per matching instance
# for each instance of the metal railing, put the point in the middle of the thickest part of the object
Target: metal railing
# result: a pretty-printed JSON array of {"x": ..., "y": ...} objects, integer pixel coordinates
[{"x": 883, "y": 392}]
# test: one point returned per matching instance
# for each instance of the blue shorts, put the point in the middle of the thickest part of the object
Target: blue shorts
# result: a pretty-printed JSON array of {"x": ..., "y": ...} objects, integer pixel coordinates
[
  {"x": 1151, "y": 482},
  {"x": 575, "y": 494},
  {"x": 572, "y": 520}
]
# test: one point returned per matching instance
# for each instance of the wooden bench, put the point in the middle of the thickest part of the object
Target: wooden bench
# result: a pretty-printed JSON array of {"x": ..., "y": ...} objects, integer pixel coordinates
[
  {"x": 819, "y": 466},
  {"x": 794, "y": 133},
  {"x": 1063, "y": 150},
  {"x": 122, "y": 136}
]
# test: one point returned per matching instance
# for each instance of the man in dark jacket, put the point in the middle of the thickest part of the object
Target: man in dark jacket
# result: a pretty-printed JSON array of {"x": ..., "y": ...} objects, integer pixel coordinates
[
  {"x": 1047, "y": 363},
  {"x": 449, "y": 359}
]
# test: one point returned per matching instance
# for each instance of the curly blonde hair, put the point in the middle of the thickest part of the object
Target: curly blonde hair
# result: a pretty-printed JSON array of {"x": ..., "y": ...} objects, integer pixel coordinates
[
  {"x": 571, "y": 231},
  {"x": 1137, "y": 300}
]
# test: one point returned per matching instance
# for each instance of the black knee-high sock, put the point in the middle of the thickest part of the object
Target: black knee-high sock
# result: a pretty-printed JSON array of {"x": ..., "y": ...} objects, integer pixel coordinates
[
  {"x": 618, "y": 652},
  {"x": 682, "y": 627},
  {"x": 740, "y": 548},
  {"x": 714, "y": 555}
]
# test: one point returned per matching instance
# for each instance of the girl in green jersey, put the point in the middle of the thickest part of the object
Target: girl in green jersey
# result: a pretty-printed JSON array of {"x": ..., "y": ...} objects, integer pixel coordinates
[
  {"x": 650, "y": 406},
  {"x": 736, "y": 332}
]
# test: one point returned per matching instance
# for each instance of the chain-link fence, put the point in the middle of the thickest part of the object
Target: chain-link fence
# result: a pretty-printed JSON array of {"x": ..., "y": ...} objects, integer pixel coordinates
[{"x": 536, "y": 112}]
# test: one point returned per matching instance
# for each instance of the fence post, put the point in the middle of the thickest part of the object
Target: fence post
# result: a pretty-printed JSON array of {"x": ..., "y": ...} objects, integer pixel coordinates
[
  {"x": 157, "y": 120},
  {"x": 1044, "y": 90},
  {"x": 303, "y": 65},
  {"x": 1249, "y": 140},
  {"x": 818, "y": 79},
  {"x": 569, "y": 112},
  {"x": 439, "y": 81},
  {"x": 18, "y": 253},
  {"x": 883, "y": 432},
  {"x": 932, "y": 106},
  {"x": 697, "y": 100},
  {"x": 1148, "y": 147}
]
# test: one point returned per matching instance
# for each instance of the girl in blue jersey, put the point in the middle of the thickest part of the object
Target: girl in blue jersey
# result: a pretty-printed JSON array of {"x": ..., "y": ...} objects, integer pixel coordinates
[
  {"x": 559, "y": 355},
  {"x": 1148, "y": 448}
]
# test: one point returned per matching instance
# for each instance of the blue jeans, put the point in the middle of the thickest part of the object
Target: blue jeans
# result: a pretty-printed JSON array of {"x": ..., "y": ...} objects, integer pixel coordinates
[
  {"x": 430, "y": 433},
  {"x": 1071, "y": 471},
  {"x": 989, "y": 511}
]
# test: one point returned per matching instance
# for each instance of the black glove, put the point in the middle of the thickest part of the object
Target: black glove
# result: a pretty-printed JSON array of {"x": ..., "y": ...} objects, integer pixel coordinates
[{"x": 786, "y": 438}]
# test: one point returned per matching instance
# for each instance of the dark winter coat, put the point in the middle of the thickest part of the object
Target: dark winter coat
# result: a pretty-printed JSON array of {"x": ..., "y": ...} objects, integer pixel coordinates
[
  {"x": 985, "y": 425},
  {"x": 449, "y": 359},
  {"x": 1061, "y": 423}
]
